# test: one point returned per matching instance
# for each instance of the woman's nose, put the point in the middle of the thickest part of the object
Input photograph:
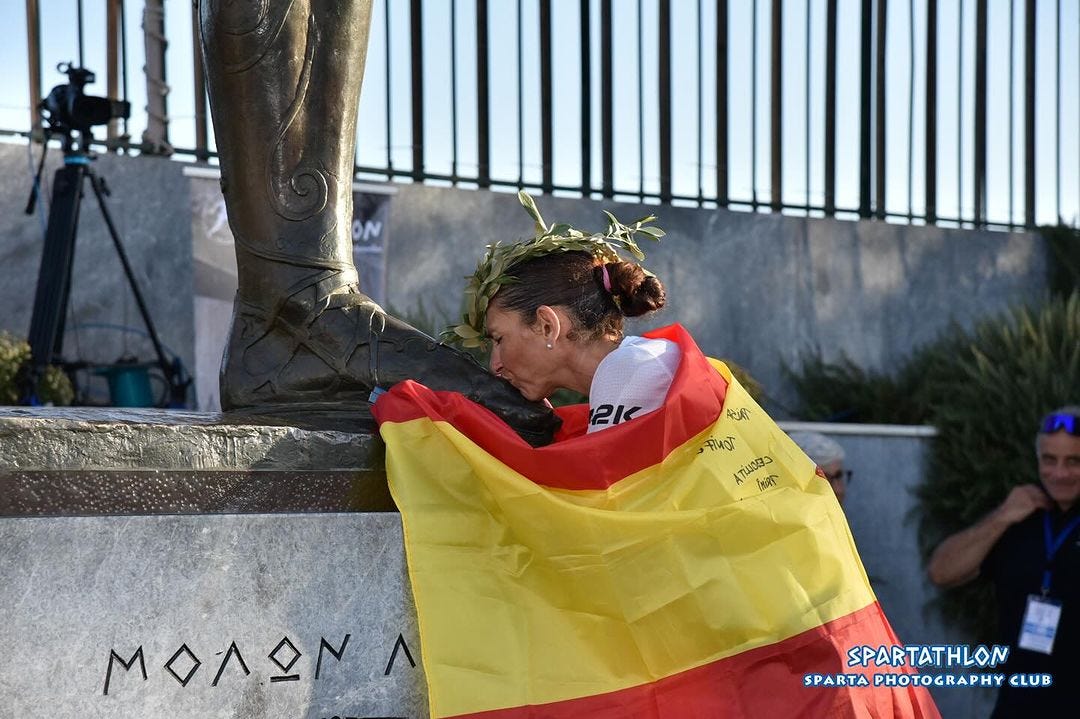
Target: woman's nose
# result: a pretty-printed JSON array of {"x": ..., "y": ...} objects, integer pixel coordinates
[{"x": 496, "y": 362}]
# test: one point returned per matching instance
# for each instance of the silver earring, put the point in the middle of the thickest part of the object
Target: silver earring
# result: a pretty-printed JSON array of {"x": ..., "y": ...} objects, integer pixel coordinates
[{"x": 549, "y": 346}]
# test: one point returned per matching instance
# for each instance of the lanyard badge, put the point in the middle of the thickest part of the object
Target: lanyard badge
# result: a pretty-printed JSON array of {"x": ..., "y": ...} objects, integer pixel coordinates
[
  {"x": 1043, "y": 614},
  {"x": 1040, "y": 624}
]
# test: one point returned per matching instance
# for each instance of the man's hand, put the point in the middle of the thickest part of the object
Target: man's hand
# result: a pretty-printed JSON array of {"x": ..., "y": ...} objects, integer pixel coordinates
[
  {"x": 956, "y": 561},
  {"x": 1022, "y": 502}
]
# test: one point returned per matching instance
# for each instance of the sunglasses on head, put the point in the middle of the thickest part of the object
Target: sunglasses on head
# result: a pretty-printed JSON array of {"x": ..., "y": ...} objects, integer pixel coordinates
[{"x": 1057, "y": 422}]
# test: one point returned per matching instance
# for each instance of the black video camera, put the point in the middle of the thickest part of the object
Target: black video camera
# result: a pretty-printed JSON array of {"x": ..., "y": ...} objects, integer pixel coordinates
[{"x": 70, "y": 110}]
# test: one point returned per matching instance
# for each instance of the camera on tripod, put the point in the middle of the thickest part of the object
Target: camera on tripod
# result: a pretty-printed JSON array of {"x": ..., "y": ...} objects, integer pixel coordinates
[
  {"x": 70, "y": 113},
  {"x": 69, "y": 109}
]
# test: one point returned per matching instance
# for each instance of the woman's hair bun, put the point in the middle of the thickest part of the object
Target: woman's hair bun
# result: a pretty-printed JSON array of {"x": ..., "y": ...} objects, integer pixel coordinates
[{"x": 636, "y": 291}]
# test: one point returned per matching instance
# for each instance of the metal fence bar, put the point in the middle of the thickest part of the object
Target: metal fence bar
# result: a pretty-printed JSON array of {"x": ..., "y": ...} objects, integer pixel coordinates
[
  {"x": 80, "y": 37},
  {"x": 830, "y": 108},
  {"x": 586, "y": 100},
  {"x": 1029, "y": 113},
  {"x": 416, "y": 21},
  {"x": 960, "y": 111},
  {"x": 776, "y": 106},
  {"x": 389, "y": 96},
  {"x": 546, "y": 71},
  {"x": 722, "y": 103},
  {"x": 607, "y": 122},
  {"x": 931, "y": 112},
  {"x": 641, "y": 98},
  {"x": 980, "y": 111},
  {"x": 123, "y": 64},
  {"x": 483, "y": 140},
  {"x": 911, "y": 111},
  {"x": 520, "y": 97},
  {"x": 753, "y": 104},
  {"x": 1057, "y": 109},
  {"x": 700, "y": 107},
  {"x": 1012, "y": 104},
  {"x": 199, "y": 87},
  {"x": 664, "y": 60},
  {"x": 806, "y": 106},
  {"x": 880, "y": 118},
  {"x": 33, "y": 59},
  {"x": 453, "y": 93},
  {"x": 864, "y": 109}
]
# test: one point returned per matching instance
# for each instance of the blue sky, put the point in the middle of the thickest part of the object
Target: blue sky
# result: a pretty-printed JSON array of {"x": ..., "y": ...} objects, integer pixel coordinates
[{"x": 955, "y": 142}]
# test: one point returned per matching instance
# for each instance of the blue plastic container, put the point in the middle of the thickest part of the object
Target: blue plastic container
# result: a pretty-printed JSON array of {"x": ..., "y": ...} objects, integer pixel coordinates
[{"x": 129, "y": 384}]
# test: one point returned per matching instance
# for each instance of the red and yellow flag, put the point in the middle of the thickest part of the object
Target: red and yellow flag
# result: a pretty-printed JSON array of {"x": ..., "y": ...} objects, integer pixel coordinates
[{"x": 687, "y": 564}]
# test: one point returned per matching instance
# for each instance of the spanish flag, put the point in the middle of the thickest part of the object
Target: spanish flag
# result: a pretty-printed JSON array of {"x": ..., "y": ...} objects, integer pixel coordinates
[{"x": 690, "y": 563}]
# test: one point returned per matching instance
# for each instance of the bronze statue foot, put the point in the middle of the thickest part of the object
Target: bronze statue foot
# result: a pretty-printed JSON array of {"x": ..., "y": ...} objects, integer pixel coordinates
[{"x": 317, "y": 366}]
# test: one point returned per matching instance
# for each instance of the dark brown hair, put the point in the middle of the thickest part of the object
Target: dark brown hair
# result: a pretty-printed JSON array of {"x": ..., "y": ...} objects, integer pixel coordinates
[{"x": 575, "y": 281}]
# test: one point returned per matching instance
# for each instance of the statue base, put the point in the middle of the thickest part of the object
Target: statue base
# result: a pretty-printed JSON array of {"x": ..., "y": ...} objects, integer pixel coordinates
[{"x": 176, "y": 564}]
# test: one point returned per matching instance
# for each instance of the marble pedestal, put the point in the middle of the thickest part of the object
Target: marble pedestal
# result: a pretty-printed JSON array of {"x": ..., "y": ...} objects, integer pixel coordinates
[{"x": 160, "y": 564}]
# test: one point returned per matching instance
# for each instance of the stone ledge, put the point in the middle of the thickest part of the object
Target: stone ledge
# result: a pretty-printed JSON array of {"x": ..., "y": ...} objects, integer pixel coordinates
[
  {"x": 95, "y": 462},
  {"x": 63, "y": 438}
]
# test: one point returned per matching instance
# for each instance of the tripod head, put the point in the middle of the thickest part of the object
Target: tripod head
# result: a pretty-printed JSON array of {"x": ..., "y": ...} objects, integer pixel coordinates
[{"x": 69, "y": 112}]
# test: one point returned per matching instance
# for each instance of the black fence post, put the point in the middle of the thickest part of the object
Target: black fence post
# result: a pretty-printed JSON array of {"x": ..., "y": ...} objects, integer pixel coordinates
[
  {"x": 721, "y": 103},
  {"x": 586, "y": 100},
  {"x": 776, "y": 107},
  {"x": 931, "y": 111},
  {"x": 664, "y": 110},
  {"x": 830, "y": 108},
  {"x": 546, "y": 152},
  {"x": 483, "y": 139},
  {"x": 880, "y": 114},
  {"x": 607, "y": 122},
  {"x": 417, "y": 46},
  {"x": 1029, "y": 113},
  {"x": 865, "y": 109},
  {"x": 980, "y": 113}
]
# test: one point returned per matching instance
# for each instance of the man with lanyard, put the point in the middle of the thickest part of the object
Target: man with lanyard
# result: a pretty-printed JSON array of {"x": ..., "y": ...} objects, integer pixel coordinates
[{"x": 1029, "y": 547}]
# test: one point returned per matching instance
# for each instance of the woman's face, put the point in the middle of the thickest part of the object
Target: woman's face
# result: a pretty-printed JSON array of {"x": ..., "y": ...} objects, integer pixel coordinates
[{"x": 520, "y": 354}]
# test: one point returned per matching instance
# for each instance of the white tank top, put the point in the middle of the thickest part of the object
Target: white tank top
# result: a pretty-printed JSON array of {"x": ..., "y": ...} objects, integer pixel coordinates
[{"x": 631, "y": 381}]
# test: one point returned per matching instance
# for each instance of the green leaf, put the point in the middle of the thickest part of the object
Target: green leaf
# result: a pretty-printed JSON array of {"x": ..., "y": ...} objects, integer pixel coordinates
[
  {"x": 466, "y": 332},
  {"x": 530, "y": 207}
]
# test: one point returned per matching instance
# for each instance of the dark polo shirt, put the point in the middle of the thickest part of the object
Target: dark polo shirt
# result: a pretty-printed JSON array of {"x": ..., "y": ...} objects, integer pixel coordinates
[{"x": 1015, "y": 566}]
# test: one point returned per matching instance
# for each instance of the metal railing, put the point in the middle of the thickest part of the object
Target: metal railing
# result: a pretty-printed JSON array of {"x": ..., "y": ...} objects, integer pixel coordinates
[{"x": 913, "y": 111}]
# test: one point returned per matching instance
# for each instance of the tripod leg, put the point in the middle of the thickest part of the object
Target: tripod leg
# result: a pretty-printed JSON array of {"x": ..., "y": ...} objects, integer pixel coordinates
[
  {"x": 163, "y": 361},
  {"x": 54, "y": 275}
]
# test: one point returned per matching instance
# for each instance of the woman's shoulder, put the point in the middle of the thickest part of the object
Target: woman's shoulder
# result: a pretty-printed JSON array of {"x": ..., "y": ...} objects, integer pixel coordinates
[
  {"x": 639, "y": 348},
  {"x": 635, "y": 353}
]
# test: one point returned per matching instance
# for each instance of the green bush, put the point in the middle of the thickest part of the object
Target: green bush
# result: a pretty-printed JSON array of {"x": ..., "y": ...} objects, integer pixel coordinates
[
  {"x": 984, "y": 390},
  {"x": 14, "y": 353},
  {"x": 54, "y": 387},
  {"x": 844, "y": 392},
  {"x": 1063, "y": 260}
]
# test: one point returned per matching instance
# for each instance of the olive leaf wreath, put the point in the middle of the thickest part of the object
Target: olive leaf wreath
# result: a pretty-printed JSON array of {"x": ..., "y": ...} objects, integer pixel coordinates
[{"x": 494, "y": 270}]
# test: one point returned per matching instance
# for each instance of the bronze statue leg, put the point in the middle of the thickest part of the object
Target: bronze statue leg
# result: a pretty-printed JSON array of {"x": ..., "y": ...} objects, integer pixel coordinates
[{"x": 284, "y": 81}]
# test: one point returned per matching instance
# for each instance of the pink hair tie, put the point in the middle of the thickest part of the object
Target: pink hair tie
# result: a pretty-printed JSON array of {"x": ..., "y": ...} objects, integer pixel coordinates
[{"x": 607, "y": 278}]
